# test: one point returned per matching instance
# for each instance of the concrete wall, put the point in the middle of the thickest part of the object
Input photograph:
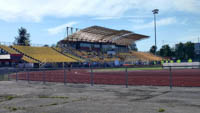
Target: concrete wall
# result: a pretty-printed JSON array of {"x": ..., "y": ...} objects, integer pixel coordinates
[
  {"x": 5, "y": 57},
  {"x": 186, "y": 64}
]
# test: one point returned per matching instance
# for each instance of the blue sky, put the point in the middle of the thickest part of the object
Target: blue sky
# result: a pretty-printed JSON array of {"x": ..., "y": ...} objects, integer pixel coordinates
[{"x": 46, "y": 20}]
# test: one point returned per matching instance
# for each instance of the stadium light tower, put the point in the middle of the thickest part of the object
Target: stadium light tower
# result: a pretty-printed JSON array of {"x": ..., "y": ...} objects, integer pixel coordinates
[{"x": 155, "y": 11}]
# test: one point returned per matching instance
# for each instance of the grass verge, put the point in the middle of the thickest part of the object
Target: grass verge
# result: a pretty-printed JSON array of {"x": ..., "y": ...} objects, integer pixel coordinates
[
  {"x": 129, "y": 69},
  {"x": 161, "y": 110}
]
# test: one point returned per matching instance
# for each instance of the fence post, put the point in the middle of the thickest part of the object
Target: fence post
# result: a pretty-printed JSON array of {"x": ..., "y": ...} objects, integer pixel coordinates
[
  {"x": 199, "y": 61},
  {"x": 126, "y": 76},
  {"x": 170, "y": 77},
  {"x": 65, "y": 77},
  {"x": 27, "y": 75},
  {"x": 43, "y": 77},
  {"x": 91, "y": 76},
  {"x": 4, "y": 77},
  {"x": 16, "y": 76},
  {"x": 7, "y": 78}
]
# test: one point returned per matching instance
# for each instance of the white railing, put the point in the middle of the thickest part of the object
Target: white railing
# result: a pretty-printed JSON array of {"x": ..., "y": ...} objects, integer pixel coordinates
[{"x": 31, "y": 44}]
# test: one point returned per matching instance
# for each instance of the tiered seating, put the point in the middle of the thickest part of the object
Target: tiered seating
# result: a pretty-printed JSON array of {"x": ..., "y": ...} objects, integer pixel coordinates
[
  {"x": 74, "y": 57},
  {"x": 110, "y": 59},
  {"x": 78, "y": 52},
  {"x": 68, "y": 54},
  {"x": 47, "y": 54},
  {"x": 29, "y": 60},
  {"x": 146, "y": 56},
  {"x": 153, "y": 57},
  {"x": 135, "y": 56},
  {"x": 43, "y": 54},
  {"x": 131, "y": 56},
  {"x": 11, "y": 51},
  {"x": 124, "y": 55},
  {"x": 86, "y": 55},
  {"x": 8, "y": 50},
  {"x": 95, "y": 57},
  {"x": 127, "y": 57}
]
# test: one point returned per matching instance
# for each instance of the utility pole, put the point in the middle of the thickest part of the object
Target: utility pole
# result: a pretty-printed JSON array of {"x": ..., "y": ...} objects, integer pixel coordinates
[
  {"x": 155, "y": 11},
  {"x": 67, "y": 31},
  {"x": 71, "y": 30}
]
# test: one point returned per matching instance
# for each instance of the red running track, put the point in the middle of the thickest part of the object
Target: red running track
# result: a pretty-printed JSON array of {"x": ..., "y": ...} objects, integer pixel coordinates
[{"x": 181, "y": 77}]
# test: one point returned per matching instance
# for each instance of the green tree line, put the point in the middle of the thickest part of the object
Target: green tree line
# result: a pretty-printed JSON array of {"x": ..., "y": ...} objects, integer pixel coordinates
[{"x": 182, "y": 51}]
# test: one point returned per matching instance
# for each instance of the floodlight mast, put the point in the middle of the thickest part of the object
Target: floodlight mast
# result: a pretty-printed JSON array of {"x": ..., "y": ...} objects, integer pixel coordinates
[{"x": 155, "y": 11}]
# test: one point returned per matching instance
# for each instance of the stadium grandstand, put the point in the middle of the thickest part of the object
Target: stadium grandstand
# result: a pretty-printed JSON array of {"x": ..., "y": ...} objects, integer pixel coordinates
[
  {"x": 99, "y": 44},
  {"x": 38, "y": 55},
  {"x": 8, "y": 50},
  {"x": 94, "y": 44}
]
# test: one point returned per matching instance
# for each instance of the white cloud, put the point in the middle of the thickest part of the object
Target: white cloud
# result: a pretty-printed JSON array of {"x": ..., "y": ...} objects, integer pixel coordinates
[
  {"x": 130, "y": 18},
  {"x": 137, "y": 21},
  {"x": 37, "y": 9},
  {"x": 105, "y": 18},
  {"x": 60, "y": 28},
  {"x": 162, "y": 22},
  {"x": 187, "y": 5}
]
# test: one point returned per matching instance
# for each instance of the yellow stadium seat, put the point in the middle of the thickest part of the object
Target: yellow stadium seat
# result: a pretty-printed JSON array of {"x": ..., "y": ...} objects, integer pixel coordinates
[
  {"x": 68, "y": 54},
  {"x": 12, "y": 51},
  {"x": 44, "y": 54},
  {"x": 146, "y": 56}
]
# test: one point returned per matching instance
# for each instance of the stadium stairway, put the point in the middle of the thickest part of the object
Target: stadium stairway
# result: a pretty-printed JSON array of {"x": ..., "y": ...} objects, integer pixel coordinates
[
  {"x": 29, "y": 57},
  {"x": 67, "y": 54},
  {"x": 44, "y": 54},
  {"x": 72, "y": 51}
]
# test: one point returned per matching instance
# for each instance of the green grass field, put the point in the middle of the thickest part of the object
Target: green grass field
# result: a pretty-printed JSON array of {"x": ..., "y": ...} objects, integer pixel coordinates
[
  {"x": 4, "y": 78},
  {"x": 129, "y": 69}
]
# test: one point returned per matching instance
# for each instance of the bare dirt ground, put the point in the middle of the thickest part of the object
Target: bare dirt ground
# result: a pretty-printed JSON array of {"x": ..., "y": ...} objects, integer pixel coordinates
[{"x": 21, "y": 97}]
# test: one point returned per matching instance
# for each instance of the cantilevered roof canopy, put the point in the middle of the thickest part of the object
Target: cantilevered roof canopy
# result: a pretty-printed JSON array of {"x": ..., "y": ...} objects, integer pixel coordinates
[{"x": 99, "y": 34}]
